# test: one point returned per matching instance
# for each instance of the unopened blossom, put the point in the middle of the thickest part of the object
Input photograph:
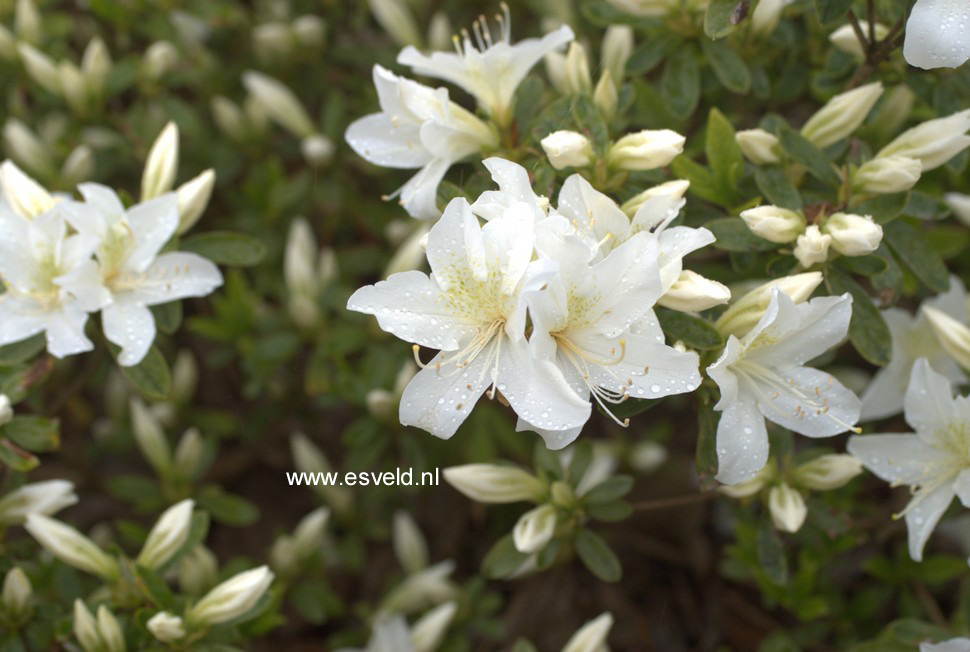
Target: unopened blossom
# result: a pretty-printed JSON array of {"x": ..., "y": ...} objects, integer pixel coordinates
[
  {"x": 691, "y": 292},
  {"x": 231, "y": 599},
  {"x": 70, "y": 546},
  {"x": 841, "y": 115},
  {"x": 933, "y": 142},
  {"x": 26, "y": 197},
  {"x": 567, "y": 149},
  {"x": 17, "y": 592},
  {"x": 888, "y": 174},
  {"x": 812, "y": 246},
  {"x": 787, "y": 508},
  {"x": 166, "y": 627},
  {"x": 853, "y": 235},
  {"x": 759, "y": 146},
  {"x": 616, "y": 50},
  {"x": 937, "y": 34},
  {"x": 934, "y": 461},
  {"x": 742, "y": 315},
  {"x": 492, "y": 483},
  {"x": 535, "y": 529},
  {"x": 591, "y": 637},
  {"x": 645, "y": 150},
  {"x": 418, "y": 127},
  {"x": 952, "y": 645},
  {"x": 168, "y": 535},
  {"x": 762, "y": 376},
  {"x": 47, "y": 497},
  {"x": 846, "y": 39},
  {"x": 489, "y": 67},
  {"x": 952, "y": 334},
  {"x": 774, "y": 223},
  {"x": 960, "y": 205},
  {"x": 429, "y": 630}
]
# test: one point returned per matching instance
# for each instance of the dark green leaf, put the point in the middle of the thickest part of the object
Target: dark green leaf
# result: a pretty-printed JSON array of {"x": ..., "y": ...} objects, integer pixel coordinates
[
  {"x": 804, "y": 152},
  {"x": 168, "y": 316},
  {"x": 863, "y": 265},
  {"x": 16, "y": 458},
  {"x": 723, "y": 16},
  {"x": 651, "y": 52},
  {"x": 867, "y": 329},
  {"x": 882, "y": 208},
  {"x": 912, "y": 249},
  {"x": 832, "y": 10},
  {"x": 734, "y": 235},
  {"x": 695, "y": 332},
  {"x": 702, "y": 182},
  {"x": 610, "y": 489},
  {"x": 771, "y": 554},
  {"x": 226, "y": 248},
  {"x": 151, "y": 376},
  {"x": 502, "y": 559},
  {"x": 777, "y": 188},
  {"x": 680, "y": 85},
  {"x": 18, "y": 352},
  {"x": 723, "y": 154},
  {"x": 227, "y": 508},
  {"x": 37, "y": 434},
  {"x": 597, "y": 556},
  {"x": 727, "y": 65}
]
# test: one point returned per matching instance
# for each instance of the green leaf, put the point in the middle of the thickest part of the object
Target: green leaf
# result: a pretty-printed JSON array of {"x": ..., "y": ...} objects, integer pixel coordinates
[
  {"x": 912, "y": 249},
  {"x": 17, "y": 458},
  {"x": 924, "y": 207},
  {"x": 727, "y": 65},
  {"x": 882, "y": 208},
  {"x": 226, "y": 248},
  {"x": 867, "y": 328},
  {"x": 804, "y": 152},
  {"x": 502, "y": 559},
  {"x": 611, "y": 512},
  {"x": 832, "y": 10},
  {"x": 151, "y": 377},
  {"x": 597, "y": 556},
  {"x": 227, "y": 508},
  {"x": 588, "y": 119},
  {"x": 723, "y": 17},
  {"x": 37, "y": 434},
  {"x": 680, "y": 85},
  {"x": 723, "y": 154},
  {"x": 734, "y": 235},
  {"x": 610, "y": 489},
  {"x": 22, "y": 351},
  {"x": 695, "y": 332},
  {"x": 863, "y": 265},
  {"x": 651, "y": 52},
  {"x": 771, "y": 554},
  {"x": 702, "y": 182},
  {"x": 777, "y": 188},
  {"x": 168, "y": 316}
]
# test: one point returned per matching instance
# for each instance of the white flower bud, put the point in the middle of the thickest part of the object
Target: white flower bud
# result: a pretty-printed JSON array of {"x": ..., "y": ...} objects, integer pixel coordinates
[
  {"x": 159, "y": 59},
  {"x": 827, "y": 472},
  {"x": 591, "y": 637},
  {"x": 26, "y": 148},
  {"x": 48, "y": 497},
  {"x": 439, "y": 32},
  {"x": 812, "y": 246},
  {"x": 309, "y": 459},
  {"x": 410, "y": 546},
  {"x": 96, "y": 66},
  {"x": 73, "y": 86},
  {"x": 188, "y": 453},
  {"x": 397, "y": 20},
  {"x": 491, "y": 483},
  {"x": 327, "y": 270},
  {"x": 185, "y": 376},
  {"x": 774, "y": 223},
  {"x": 317, "y": 150},
  {"x": 752, "y": 485},
  {"x": 279, "y": 103},
  {"x": 744, "y": 313},
  {"x": 934, "y": 142},
  {"x": 162, "y": 163},
  {"x": 617, "y": 48},
  {"x": 41, "y": 68},
  {"x": 193, "y": 197},
  {"x": 309, "y": 30},
  {"x": 758, "y": 146},
  {"x": 960, "y": 205},
  {"x": 605, "y": 96},
  {"x": 691, "y": 292},
  {"x": 841, "y": 115},
  {"x": 845, "y": 38},
  {"x": 645, "y": 150},
  {"x": 676, "y": 188},
  {"x": 170, "y": 533},
  {"x": 232, "y": 598},
  {"x": 272, "y": 41},
  {"x": 78, "y": 166},
  {"x": 567, "y": 149},
  {"x": 86, "y": 628},
  {"x": 149, "y": 437},
  {"x": 647, "y": 8},
  {"x": 70, "y": 546},
  {"x": 429, "y": 630},
  {"x": 229, "y": 117},
  {"x": 952, "y": 335},
  {"x": 110, "y": 631},
  {"x": 27, "y": 21},
  {"x": 787, "y": 507},
  {"x": 888, "y": 174},
  {"x": 166, "y": 627},
  {"x": 426, "y": 587},
  {"x": 645, "y": 457},
  {"x": 853, "y": 235},
  {"x": 300, "y": 259},
  {"x": 308, "y": 533},
  {"x": 766, "y": 16},
  {"x": 16, "y": 591},
  {"x": 555, "y": 63},
  {"x": 8, "y": 44},
  {"x": 27, "y": 197},
  {"x": 578, "y": 79},
  {"x": 198, "y": 570},
  {"x": 534, "y": 529},
  {"x": 893, "y": 111}
]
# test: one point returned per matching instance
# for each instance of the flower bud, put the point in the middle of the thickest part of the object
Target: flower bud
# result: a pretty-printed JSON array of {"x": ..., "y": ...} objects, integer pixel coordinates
[
  {"x": 309, "y": 459},
  {"x": 567, "y": 149},
  {"x": 16, "y": 591},
  {"x": 758, "y": 146},
  {"x": 751, "y": 486},
  {"x": 893, "y": 111},
  {"x": 45, "y": 498},
  {"x": 198, "y": 570},
  {"x": 647, "y": 8},
  {"x": 317, "y": 150},
  {"x": 774, "y": 223},
  {"x": 74, "y": 88},
  {"x": 170, "y": 533},
  {"x": 300, "y": 259},
  {"x": 812, "y": 246},
  {"x": 827, "y": 472},
  {"x": 605, "y": 96},
  {"x": 86, "y": 628},
  {"x": 279, "y": 103},
  {"x": 27, "y": 21},
  {"x": 185, "y": 376},
  {"x": 162, "y": 163},
  {"x": 397, "y": 20},
  {"x": 28, "y": 150},
  {"x": 645, "y": 150},
  {"x": 193, "y": 197},
  {"x": 159, "y": 59},
  {"x": 231, "y": 599},
  {"x": 952, "y": 335},
  {"x": 188, "y": 453},
  {"x": 534, "y": 529},
  {"x": 766, "y": 16},
  {"x": 960, "y": 205},
  {"x": 96, "y": 66},
  {"x": 646, "y": 456},
  {"x": 41, "y": 68},
  {"x": 691, "y": 292},
  {"x": 78, "y": 166},
  {"x": 410, "y": 546},
  {"x": 429, "y": 630},
  {"x": 787, "y": 507},
  {"x": 491, "y": 483},
  {"x": 617, "y": 48},
  {"x": 744, "y": 313},
  {"x": 27, "y": 197},
  {"x": 888, "y": 174},
  {"x": 591, "y": 637},
  {"x": 150, "y": 438},
  {"x": 577, "y": 78},
  {"x": 166, "y": 627},
  {"x": 70, "y": 546},
  {"x": 426, "y": 587},
  {"x": 309, "y": 532},
  {"x": 934, "y": 142},
  {"x": 853, "y": 235},
  {"x": 229, "y": 117},
  {"x": 110, "y": 631},
  {"x": 845, "y": 38},
  {"x": 841, "y": 115},
  {"x": 309, "y": 30},
  {"x": 272, "y": 41},
  {"x": 555, "y": 63},
  {"x": 675, "y": 189}
]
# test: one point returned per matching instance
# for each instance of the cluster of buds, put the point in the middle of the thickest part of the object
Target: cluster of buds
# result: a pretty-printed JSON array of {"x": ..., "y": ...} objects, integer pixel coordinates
[
  {"x": 101, "y": 634},
  {"x": 307, "y": 271},
  {"x": 278, "y": 40},
  {"x": 290, "y": 552},
  {"x": 425, "y": 586},
  {"x": 784, "y": 490},
  {"x": 644, "y": 150},
  {"x": 35, "y": 153},
  {"x": 158, "y": 178},
  {"x": 278, "y": 103},
  {"x": 847, "y": 233},
  {"x": 81, "y": 87},
  {"x": 570, "y": 72},
  {"x": 182, "y": 465}
]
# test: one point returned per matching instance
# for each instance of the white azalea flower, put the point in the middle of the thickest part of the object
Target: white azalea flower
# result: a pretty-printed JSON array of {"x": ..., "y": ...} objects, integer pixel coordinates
[
  {"x": 132, "y": 269},
  {"x": 937, "y": 34},
  {"x": 52, "y": 284},
  {"x": 934, "y": 461},
  {"x": 911, "y": 340},
  {"x": 952, "y": 645},
  {"x": 418, "y": 127},
  {"x": 490, "y": 68},
  {"x": 762, "y": 376},
  {"x": 471, "y": 309}
]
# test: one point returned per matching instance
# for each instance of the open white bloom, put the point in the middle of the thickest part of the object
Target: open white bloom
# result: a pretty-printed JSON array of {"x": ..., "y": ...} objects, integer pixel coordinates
[
  {"x": 131, "y": 267},
  {"x": 934, "y": 461},
  {"x": 937, "y": 34},
  {"x": 742, "y": 315},
  {"x": 418, "y": 127},
  {"x": 48, "y": 497},
  {"x": 491, "y": 71},
  {"x": 51, "y": 281},
  {"x": 952, "y": 645},
  {"x": 933, "y": 142},
  {"x": 762, "y": 376},
  {"x": 911, "y": 340},
  {"x": 591, "y": 637}
]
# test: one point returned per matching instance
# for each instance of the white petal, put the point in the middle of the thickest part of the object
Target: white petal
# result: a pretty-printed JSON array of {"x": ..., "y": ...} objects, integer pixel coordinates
[
  {"x": 381, "y": 140},
  {"x": 511, "y": 178},
  {"x": 923, "y": 516},
  {"x": 419, "y": 196},
  {"x": 884, "y": 394},
  {"x": 152, "y": 223},
  {"x": 15, "y": 323},
  {"x": 456, "y": 249},
  {"x": 628, "y": 283},
  {"x": 896, "y": 458},
  {"x": 929, "y": 402},
  {"x": 676, "y": 243},
  {"x": 175, "y": 275},
  {"x": 439, "y": 401},
  {"x": 938, "y": 34},
  {"x": 130, "y": 326},
  {"x": 65, "y": 333},
  {"x": 742, "y": 442},
  {"x": 591, "y": 210},
  {"x": 806, "y": 330},
  {"x": 104, "y": 200},
  {"x": 554, "y": 439},
  {"x": 962, "y": 487},
  {"x": 810, "y": 402}
]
